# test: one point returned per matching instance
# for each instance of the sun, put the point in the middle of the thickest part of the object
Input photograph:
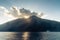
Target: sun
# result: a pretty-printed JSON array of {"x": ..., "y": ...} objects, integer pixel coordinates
[{"x": 26, "y": 17}]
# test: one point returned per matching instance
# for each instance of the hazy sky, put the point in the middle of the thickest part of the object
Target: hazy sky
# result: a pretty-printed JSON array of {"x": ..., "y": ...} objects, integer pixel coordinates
[{"x": 49, "y": 7}]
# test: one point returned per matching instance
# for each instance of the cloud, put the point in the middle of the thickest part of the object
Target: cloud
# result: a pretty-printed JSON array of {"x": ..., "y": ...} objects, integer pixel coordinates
[
  {"x": 34, "y": 13},
  {"x": 25, "y": 11},
  {"x": 14, "y": 11},
  {"x": 28, "y": 12},
  {"x": 3, "y": 9},
  {"x": 40, "y": 14},
  {"x": 20, "y": 13}
]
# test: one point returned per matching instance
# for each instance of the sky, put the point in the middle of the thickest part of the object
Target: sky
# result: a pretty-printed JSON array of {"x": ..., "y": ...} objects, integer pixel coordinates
[{"x": 51, "y": 8}]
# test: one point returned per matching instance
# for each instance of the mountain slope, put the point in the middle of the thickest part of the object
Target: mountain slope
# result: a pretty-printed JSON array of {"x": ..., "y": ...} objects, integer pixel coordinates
[{"x": 32, "y": 24}]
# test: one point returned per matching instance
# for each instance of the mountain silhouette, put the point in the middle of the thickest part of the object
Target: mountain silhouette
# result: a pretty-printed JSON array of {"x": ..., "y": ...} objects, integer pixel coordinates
[{"x": 33, "y": 24}]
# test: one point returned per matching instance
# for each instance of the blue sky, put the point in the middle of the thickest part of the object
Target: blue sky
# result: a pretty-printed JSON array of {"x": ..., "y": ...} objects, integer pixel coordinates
[{"x": 48, "y": 7}]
